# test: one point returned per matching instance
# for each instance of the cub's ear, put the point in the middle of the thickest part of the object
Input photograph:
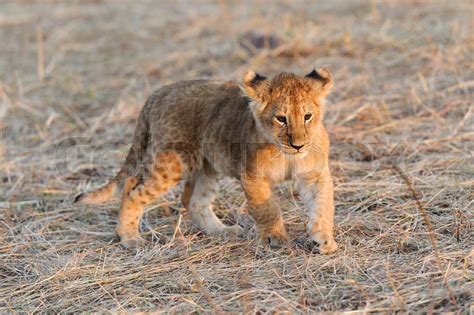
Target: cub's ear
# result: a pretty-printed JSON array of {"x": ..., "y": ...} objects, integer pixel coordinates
[
  {"x": 321, "y": 79},
  {"x": 254, "y": 85}
]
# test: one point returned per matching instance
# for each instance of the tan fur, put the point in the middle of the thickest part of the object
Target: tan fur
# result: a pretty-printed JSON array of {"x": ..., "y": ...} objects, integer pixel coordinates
[{"x": 200, "y": 130}]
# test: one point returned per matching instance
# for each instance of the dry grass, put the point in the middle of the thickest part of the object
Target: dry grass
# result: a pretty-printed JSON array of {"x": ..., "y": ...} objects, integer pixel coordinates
[{"x": 401, "y": 123}]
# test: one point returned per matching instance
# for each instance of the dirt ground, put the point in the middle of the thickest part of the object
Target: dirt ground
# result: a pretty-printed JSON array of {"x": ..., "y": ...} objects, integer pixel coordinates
[{"x": 74, "y": 75}]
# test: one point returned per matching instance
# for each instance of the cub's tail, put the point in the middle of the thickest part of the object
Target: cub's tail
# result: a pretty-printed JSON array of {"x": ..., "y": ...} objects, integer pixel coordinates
[
  {"x": 100, "y": 195},
  {"x": 129, "y": 168}
]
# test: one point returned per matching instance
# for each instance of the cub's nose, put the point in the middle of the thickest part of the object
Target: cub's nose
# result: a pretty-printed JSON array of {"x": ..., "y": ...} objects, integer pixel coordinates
[{"x": 297, "y": 147}]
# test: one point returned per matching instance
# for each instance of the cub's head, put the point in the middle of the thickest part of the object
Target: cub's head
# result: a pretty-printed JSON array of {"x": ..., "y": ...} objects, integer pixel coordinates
[{"x": 288, "y": 108}]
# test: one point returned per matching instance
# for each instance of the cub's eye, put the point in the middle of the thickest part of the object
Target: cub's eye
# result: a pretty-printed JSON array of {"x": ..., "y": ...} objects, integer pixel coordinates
[
  {"x": 308, "y": 116},
  {"x": 281, "y": 119}
]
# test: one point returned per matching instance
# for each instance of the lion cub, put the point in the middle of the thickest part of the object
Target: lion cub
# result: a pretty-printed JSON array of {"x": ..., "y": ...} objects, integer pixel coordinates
[{"x": 197, "y": 131}]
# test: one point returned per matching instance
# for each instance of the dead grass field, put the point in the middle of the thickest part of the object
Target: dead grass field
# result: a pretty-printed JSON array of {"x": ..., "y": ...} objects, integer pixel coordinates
[{"x": 74, "y": 75}]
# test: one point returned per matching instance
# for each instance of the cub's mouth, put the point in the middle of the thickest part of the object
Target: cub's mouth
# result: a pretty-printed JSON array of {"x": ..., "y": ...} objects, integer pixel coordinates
[{"x": 292, "y": 151}]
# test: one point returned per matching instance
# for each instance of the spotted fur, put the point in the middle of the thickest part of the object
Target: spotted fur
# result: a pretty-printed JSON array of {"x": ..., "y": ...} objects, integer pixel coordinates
[{"x": 263, "y": 132}]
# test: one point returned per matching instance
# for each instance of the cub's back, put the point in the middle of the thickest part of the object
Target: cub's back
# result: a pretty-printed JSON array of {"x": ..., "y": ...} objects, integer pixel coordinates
[{"x": 186, "y": 110}]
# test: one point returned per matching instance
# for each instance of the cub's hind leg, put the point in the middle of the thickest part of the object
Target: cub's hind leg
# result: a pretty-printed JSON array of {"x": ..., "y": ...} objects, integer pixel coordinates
[
  {"x": 199, "y": 204},
  {"x": 161, "y": 175}
]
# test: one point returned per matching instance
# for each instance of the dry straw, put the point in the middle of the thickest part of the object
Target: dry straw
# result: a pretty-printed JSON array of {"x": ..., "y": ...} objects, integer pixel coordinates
[{"x": 74, "y": 75}]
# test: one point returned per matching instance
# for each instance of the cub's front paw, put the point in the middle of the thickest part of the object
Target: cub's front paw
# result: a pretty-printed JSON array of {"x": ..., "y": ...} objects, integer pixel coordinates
[
  {"x": 277, "y": 240},
  {"x": 327, "y": 244},
  {"x": 276, "y": 236},
  {"x": 327, "y": 247}
]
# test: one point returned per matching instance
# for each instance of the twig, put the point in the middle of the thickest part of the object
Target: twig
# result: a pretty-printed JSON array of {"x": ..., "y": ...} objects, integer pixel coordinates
[
  {"x": 40, "y": 52},
  {"x": 425, "y": 216}
]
